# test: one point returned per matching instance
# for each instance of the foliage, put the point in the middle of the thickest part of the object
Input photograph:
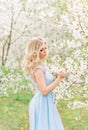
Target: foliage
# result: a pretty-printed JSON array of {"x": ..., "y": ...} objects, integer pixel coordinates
[
  {"x": 64, "y": 24},
  {"x": 15, "y": 80}
]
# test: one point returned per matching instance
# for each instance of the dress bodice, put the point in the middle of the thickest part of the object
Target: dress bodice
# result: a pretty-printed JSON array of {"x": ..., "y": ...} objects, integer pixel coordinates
[{"x": 49, "y": 78}]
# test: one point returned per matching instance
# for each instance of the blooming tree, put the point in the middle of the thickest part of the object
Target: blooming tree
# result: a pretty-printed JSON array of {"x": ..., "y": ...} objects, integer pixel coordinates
[{"x": 64, "y": 24}]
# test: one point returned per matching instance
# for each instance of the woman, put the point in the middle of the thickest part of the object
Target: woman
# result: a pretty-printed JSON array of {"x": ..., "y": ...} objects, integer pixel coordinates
[{"x": 43, "y": 113}]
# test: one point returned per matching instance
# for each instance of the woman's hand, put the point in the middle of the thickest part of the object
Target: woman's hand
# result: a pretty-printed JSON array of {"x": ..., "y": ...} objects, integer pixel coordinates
[{"x": 62, "y": 74}]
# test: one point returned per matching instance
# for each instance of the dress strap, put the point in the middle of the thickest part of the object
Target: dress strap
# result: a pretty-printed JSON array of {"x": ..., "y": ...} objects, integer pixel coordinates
[{"x": 38, "y": 67}]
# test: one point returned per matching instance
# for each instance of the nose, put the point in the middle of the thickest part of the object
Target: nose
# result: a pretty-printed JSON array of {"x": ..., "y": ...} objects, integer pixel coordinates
[{"x": 45, "y": 51}]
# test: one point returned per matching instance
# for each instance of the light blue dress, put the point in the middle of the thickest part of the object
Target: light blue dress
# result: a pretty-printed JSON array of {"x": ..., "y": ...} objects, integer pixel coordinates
[{"x": 43, "y": 114}]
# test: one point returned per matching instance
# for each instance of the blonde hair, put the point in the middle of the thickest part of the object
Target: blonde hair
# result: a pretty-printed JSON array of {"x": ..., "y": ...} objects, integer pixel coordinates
[{"x": 32, "y": 59}]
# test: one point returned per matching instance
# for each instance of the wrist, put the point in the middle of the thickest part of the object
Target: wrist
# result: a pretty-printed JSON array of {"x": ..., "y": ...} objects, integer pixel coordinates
[{"x": 59, "y": 78}]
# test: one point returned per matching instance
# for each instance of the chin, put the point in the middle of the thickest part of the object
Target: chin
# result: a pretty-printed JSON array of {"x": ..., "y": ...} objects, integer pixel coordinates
[{"x": 45, "y": 57}]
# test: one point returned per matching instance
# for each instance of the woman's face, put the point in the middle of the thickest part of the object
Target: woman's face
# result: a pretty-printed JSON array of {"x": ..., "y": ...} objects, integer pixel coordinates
[{"x": 43, "y": 52}]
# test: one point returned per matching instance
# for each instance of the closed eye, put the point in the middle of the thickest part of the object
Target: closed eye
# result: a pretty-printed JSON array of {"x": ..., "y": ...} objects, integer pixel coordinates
[{"x": 43, "y": 49}]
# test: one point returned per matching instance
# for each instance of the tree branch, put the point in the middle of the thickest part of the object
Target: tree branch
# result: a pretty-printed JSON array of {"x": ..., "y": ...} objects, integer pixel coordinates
[
  {"x": 20, "y": 35},
  {"x": 10, "y": 35}
]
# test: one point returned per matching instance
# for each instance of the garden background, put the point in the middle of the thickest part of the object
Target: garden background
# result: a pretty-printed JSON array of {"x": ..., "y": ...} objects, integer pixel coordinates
[{"x": 64, "y": 24}]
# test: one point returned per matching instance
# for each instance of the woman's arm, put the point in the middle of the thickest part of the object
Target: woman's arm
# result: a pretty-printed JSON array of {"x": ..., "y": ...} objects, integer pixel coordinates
[{"x": 40, "y": 80}]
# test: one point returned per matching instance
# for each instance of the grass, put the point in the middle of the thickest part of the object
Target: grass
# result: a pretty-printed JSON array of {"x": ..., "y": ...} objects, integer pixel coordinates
[
  {"x": 73, "y": 119},
  {"x": 14, "y": 113}
]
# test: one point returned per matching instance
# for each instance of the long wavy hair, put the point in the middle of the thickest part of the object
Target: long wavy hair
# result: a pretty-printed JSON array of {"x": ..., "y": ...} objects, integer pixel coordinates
[{"x": 32, "y": 59}]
